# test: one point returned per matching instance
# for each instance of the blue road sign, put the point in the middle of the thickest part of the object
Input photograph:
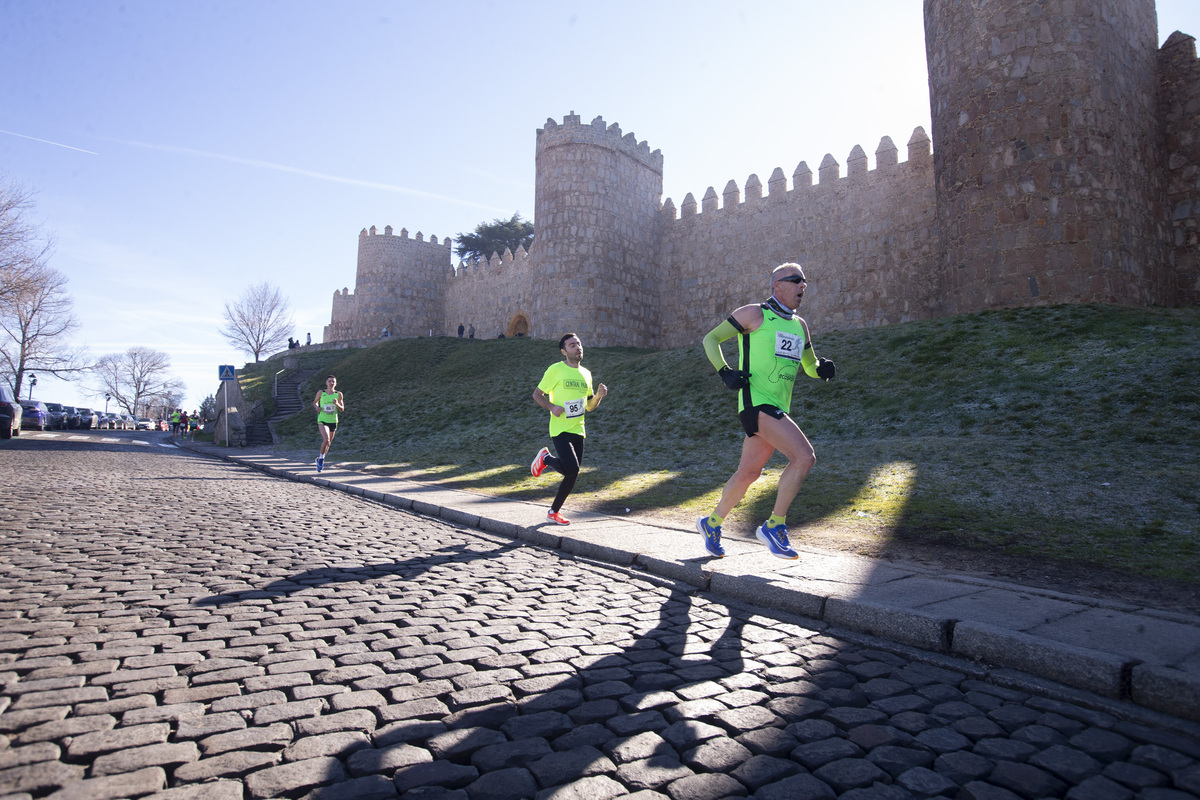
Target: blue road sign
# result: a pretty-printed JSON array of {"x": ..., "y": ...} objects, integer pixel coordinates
[{"x": 226, "y": 372}]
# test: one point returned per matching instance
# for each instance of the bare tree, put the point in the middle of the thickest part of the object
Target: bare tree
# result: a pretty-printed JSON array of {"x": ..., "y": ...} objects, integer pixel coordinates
[
  {"x": 35, "y": 310},
  {"x": 259, "y": 322},
  {"x": 23, "y": 247},
  {"x": 36, "y": 321},
  {"x": 138, "y": 380}
]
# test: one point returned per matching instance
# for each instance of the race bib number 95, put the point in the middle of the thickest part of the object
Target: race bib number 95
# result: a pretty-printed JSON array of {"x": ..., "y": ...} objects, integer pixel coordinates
[
  {"x": 788, "y": 345},
  {"x": 573, "y": 408}
]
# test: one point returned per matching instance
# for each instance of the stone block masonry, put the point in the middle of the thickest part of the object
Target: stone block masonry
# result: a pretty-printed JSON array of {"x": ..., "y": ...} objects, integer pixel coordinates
[{"x": 1064, "y": 167}]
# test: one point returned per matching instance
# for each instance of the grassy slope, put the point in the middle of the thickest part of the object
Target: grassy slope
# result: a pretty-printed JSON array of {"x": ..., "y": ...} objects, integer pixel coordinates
[{"x": 1063, "y": 433}]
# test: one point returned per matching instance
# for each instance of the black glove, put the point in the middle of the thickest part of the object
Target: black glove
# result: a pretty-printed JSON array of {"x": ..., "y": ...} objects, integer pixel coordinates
[
  {"x": 734, "y": 378},
  {"x": 825, "y": 369}
]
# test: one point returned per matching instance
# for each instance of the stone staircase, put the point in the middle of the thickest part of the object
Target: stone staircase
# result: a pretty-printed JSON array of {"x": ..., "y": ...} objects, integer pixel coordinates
[{"x": 287, "y": 403}]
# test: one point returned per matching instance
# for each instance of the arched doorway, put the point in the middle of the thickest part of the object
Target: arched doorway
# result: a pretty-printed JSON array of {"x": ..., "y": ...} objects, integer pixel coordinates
[{"x": 517, "y": 326}]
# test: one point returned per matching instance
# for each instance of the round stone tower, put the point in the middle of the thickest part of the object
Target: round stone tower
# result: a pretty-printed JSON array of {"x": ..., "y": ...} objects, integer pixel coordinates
[
  {"x": 400, "y": 284},
  {"x": 1047, "y": 153},
  {"x": 597, "y": 196}
]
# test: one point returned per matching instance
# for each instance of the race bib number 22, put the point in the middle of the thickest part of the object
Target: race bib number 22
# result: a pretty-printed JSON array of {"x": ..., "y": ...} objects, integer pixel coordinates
[{"x": 788, "y": 345}]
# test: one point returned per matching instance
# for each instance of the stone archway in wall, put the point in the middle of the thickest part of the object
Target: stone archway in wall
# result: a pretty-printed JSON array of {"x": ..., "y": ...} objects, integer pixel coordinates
[{"x": 517, "y": 326}]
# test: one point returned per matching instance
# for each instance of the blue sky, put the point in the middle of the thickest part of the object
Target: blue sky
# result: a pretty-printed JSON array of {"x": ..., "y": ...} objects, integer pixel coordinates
[{"x": 183, "y": 151}]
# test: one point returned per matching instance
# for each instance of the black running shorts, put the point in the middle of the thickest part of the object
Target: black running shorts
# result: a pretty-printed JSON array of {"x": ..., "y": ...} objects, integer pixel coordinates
[{"x": 749, "y": 417}]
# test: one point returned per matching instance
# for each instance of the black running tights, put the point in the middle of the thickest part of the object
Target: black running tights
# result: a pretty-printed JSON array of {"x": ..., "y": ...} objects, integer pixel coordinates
[{"x": 569, "y": 447}]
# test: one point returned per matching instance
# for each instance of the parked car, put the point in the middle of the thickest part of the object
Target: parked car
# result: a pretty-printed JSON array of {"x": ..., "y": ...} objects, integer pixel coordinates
[
  {"x": 34, "y": 415},
  {"x": 58, "y": 416},
  {"x": 126, "y": 422},
  {"x": 88, "y": 419},
  {"x": 10, "y": 414},
  {"x": 72, "y": 416},
  {"x": 108, "y": 421},
  {"x": 144, "y": 424}
]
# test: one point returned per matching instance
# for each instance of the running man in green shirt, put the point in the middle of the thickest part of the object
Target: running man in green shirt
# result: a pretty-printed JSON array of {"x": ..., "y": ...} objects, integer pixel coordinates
[
  {"x": 773, "y": 345},
  {"x": 328, "y": 402},
  {"x": 565, "y": 390}
]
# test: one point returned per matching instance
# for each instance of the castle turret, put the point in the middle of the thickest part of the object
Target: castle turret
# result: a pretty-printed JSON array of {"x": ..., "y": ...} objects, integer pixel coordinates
[
  {"x": 597, "y": 197},
  {"x": 400, "y": 284},
  {"x": 1047, "y": 152}
]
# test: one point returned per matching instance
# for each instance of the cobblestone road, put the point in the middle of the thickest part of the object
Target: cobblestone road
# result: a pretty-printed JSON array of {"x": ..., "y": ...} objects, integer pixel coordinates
[{"x": 176, "y": 627}]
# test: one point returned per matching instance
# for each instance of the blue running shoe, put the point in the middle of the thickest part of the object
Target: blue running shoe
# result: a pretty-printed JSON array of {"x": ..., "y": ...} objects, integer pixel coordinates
[
  {"x": 712, "y": 537},
  {"x": 776, "y": 540},
  {"x": 320, "y": 463}
]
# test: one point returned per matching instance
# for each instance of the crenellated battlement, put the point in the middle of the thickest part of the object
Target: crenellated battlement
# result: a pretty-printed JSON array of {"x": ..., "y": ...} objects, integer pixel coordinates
[
  {"x": 497, "y": 260},
  {"x": 420, "y": 237},
  {"x": 573, "y": 131},
  {"x": 886, "y": 165},
  {"x": 1011, "y": 202}
]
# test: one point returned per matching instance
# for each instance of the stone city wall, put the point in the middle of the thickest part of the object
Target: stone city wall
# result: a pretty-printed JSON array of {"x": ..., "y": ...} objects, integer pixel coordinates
[
  {"x": 1179, "y": 108},
  {"x": 493, "y": 295},
  {"x": 1065, "y": 168},
  {"x": 867, "y": 241},
  {"x": 399, "y": 284},
  {"x": 1048, "y": 152}
]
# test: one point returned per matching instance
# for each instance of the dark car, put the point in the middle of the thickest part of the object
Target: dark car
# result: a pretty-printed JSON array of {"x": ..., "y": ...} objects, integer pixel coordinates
[
  {"x": 73, "y": 419},
  {"x": 10, "y": 414},
  {"x": 34, "y": 415},
  {"x": 88, "y": 419},
  {"x": 58, "y": 416}
]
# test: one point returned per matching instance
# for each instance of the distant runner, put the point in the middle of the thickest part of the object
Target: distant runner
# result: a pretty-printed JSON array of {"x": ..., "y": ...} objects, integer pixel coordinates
[
  {"x": 566, "y": 392},
  {"x": 773, "y": 344},
  {"x": 328, "y": 403}
]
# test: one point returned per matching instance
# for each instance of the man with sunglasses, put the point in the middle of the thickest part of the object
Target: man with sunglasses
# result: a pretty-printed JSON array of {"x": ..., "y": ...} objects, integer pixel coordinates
[{"x": 773, "y": 345}]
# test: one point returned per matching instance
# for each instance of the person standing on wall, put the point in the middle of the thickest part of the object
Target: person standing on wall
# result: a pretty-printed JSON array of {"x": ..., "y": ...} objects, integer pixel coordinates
[
  {"x": 471, "y": 331},
  {"x": 565, "y": 390},
  {"x": 309, "y": 339},
  {"x": 773, "y": 345},
  {"x": 328, "y": 402},
  {"x": 460, "y": 330}
]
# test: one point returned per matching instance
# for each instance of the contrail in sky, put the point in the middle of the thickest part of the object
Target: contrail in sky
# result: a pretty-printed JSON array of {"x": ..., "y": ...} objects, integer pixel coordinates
[
  {"x": 387, "y": 187},
  {"x": 47, "y": 141}
]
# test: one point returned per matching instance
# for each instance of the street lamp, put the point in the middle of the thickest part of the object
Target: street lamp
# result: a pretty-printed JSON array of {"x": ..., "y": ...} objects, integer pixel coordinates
[
  {"x": 107, "y": 397},
  {"x": 32, "y": 383}
]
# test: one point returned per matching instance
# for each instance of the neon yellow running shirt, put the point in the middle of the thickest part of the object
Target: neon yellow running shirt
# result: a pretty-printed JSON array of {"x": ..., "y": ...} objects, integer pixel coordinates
[
  {"x": 771, "y": 354},
  {"x": 569, "y": 387},
  {"x": 329, "y": 410}
]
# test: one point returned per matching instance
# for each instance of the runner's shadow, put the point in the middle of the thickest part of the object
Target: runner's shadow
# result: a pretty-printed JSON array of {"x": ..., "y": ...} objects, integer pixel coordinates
[{"x": 323, "y": 576}]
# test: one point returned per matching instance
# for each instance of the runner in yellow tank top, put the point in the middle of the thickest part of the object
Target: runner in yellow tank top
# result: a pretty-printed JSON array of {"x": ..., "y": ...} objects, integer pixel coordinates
[
  {"x": 328, "y": 402},
  {"x": 773, "y": 346}
]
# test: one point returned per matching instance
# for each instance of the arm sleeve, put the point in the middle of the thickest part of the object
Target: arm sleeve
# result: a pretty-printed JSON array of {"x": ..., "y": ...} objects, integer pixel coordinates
[
  {"x": 712, "y": 341},
  {"x": 809, "y": 360}
]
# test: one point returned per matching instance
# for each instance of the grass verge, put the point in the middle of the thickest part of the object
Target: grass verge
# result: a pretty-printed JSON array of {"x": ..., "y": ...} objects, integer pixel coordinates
[{"x": 1063, "y": 434}]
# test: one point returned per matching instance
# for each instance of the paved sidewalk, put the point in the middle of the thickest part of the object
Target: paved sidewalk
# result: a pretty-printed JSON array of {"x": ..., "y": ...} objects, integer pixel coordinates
[{"x": 1145, "y": 656}]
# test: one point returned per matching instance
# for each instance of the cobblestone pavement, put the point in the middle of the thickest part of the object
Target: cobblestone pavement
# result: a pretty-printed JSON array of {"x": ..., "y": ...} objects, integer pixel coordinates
[{"x": 177, "y": 627}]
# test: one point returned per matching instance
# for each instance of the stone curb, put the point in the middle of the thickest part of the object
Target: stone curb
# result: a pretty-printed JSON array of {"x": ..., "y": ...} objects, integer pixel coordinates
[{"x": 997, "y": 650}]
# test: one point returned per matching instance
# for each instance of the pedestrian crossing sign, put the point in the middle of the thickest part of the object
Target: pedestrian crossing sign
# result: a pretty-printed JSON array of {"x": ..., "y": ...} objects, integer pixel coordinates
[{"x": 226, "y": 372}]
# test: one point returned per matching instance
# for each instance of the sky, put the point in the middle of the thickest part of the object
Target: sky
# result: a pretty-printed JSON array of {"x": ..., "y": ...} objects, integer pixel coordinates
[{"x": 181, "y": 152}]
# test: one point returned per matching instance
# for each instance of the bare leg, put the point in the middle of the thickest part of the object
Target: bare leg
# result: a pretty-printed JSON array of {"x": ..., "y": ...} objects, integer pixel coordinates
[
  {"x": 756, "y": 451},
  {"x": 326, "y": 438},
  {"x": 785, "y": 436}
]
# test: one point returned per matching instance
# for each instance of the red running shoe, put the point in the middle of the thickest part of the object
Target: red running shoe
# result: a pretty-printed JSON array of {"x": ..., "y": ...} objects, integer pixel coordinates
[
  {"x": 539, "y": 462},
  {"x": 557, "y": 518}
]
